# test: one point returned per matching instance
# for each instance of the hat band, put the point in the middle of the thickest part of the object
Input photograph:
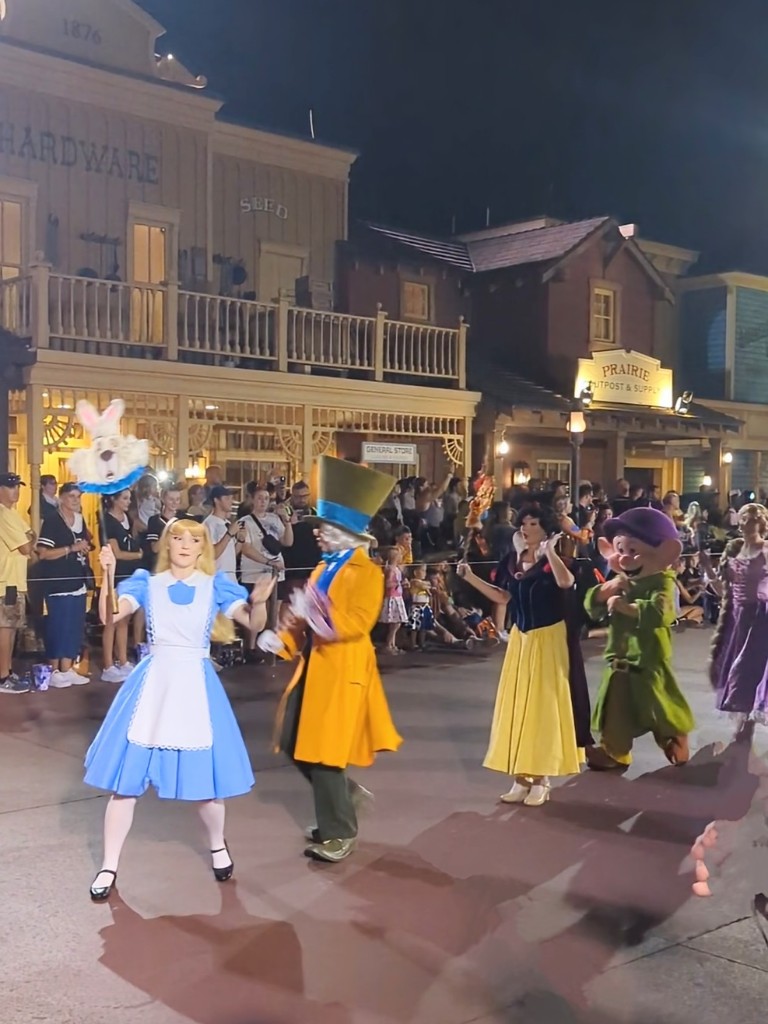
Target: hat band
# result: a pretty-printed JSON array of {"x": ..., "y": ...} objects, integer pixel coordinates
[{"x": 340, "y": 515}]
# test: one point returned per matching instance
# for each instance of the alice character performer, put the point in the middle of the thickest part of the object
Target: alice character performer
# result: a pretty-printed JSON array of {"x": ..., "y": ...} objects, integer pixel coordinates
[
  {"x": 334, "y": 712},
  {"x": 536, "y": 734},
  {"x": 639, "y": 693},
  {"x": 393, "y": 612},
  {"x": 171, "y": 725},
  {"x": 739, "y": 658}
]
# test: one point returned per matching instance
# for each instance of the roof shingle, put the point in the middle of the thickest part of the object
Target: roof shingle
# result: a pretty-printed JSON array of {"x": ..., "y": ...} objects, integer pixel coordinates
[{"x": 510, "y": 249}]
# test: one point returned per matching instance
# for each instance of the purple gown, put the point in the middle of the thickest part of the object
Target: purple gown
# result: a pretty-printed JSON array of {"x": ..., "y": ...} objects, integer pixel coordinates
[{"x": 739, "y": 666}]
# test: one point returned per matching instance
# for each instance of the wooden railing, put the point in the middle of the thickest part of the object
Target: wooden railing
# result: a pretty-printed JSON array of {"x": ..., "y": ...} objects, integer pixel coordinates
[
  {"x": 83, "y": 314},
  {"x": 15, "y": 305}
]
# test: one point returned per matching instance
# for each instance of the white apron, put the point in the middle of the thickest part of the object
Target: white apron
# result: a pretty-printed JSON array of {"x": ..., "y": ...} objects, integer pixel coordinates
[{"x": 172, "y": 709}]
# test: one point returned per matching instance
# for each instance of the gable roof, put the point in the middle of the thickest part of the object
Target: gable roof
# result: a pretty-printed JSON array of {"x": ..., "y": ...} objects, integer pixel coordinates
[{"x": 546, "y": 242}]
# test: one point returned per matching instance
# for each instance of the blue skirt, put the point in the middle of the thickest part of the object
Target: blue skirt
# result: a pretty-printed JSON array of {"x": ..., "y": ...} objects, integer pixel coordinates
[
  {"x": 65, "y": 626},
  {"x": 114, "y": 764}
]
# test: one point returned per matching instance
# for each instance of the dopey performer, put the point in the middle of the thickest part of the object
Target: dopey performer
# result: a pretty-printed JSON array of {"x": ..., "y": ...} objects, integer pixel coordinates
[
  {"x": 639, "y": 693},
  {"x": 334, "y": 712}
]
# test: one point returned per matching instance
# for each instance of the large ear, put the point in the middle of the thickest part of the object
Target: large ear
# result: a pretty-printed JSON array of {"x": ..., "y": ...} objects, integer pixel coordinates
[
  {"x": 87, "y": 415},
  {"x": 669, "y": 551},
  {"x": 110, "y": 418},
  {"x": 605, "y": 547}
]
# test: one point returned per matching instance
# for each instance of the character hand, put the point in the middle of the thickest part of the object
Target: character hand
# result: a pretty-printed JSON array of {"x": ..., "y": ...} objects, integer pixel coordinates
[
  {"x": 262, "y": 590},
  {"x": 615, "y": 587},
  {"x": 551, "y": 546},
  {"x": 618, "y": 603},
  {"x": 269, "y": 642},
  {"x": 463, "y": 570},
  {"x": 299, "y": 604},
  {"x": 107, "y": 559}
]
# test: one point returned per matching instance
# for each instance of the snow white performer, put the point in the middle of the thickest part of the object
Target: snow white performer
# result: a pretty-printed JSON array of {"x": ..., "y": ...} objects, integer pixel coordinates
[
  {"x": 541, "y": 718},
  {"x": 171, "y": 725}
]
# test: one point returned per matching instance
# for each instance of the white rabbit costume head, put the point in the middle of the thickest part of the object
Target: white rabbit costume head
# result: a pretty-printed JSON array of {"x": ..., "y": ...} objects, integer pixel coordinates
[{"x": 112, "y": 462}]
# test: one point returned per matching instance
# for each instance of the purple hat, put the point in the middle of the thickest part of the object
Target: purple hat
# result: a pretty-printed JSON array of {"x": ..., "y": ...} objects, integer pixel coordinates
[{"x": 645, "y": 524}]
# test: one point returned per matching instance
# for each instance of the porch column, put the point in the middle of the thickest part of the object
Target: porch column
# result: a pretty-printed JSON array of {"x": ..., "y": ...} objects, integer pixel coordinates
[
  {"x": 467, "y": 468},
  {"x": 182, "y": 438},
  {"x": 35, "y": 413},
  {"x": 307, "y": 438},
  {"x": 615, "y": 459},
  {"x": 716, "y": 467}
]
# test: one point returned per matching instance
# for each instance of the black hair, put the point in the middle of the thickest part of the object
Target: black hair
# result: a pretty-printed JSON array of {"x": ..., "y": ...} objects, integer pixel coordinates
[
  {"x": 543, "y": 514},
  {"x": 584, "y": 490}
]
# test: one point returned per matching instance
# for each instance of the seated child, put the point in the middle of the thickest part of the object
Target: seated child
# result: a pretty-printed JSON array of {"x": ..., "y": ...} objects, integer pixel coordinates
[{"x": 690, "y": 590}]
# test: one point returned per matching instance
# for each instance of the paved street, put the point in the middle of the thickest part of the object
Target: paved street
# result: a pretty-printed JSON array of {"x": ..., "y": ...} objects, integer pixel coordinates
[{"x": 454, "y": 909}]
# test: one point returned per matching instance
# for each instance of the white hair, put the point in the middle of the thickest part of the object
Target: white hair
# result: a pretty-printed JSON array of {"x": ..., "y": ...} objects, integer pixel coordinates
[{"x": 341, "y": 540}]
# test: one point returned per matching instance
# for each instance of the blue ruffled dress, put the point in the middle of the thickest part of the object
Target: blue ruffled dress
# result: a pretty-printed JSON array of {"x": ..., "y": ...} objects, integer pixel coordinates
[{"x": 171, "y": 726}]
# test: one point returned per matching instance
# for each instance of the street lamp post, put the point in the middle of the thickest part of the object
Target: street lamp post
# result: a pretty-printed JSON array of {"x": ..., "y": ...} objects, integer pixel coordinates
[{"x": 577, "y": 426}]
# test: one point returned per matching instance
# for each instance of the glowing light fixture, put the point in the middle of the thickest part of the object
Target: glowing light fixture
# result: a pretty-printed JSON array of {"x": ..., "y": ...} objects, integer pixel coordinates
[
  {"x": 576, "y": 422},
  {"x": 521, "y": 474},
  {"x": 587, "y": 396},
  {"x": 706, "y": 480},
  {"x": 502, "y": 448},
  {"x": 727, "y": 458}
]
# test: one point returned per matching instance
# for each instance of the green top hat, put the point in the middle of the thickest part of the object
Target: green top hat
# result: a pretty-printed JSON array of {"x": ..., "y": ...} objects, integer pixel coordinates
[{"x": 350, "y": 495}]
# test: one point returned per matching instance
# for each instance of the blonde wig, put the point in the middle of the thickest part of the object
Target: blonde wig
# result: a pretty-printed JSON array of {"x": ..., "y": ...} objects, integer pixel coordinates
[
  {"x": 754, "y": 511},
  {"x": 223, "y": 631}
]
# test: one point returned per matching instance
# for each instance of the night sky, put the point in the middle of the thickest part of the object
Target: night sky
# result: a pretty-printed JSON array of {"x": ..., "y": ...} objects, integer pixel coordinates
[{"x": 653, "y": 112}]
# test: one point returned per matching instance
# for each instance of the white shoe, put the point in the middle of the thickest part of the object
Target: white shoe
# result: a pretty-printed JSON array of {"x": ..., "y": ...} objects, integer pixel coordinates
[
  {"x": 112, "y": 675},
  {"x": 125, "y": 670},
  {"x": 504, "y": 636},
  {"x": 59, "y": 680},
  {"x": 518, "y": 794},
  {"x": 538, "y": 795},
  {"x": 77, "y": 679}
]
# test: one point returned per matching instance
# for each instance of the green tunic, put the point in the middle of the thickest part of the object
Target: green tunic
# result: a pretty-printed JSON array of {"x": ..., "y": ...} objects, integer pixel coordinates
[{"x": 639, "y": 656}]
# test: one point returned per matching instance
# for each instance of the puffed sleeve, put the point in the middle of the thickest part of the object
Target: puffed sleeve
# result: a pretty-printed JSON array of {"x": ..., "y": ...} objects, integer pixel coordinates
[
  {"x": 228, "y": 595},
  {"x": 135, "y": 589}
]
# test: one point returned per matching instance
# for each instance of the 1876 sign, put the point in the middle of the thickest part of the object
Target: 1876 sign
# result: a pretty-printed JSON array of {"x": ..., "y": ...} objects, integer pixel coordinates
[{"x": 25, "y": 143}]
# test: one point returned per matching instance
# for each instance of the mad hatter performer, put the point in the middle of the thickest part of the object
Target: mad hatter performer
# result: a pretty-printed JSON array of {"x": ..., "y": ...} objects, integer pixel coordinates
[
  {"x": 334, "y": 712},
  {"x": 639, "y": 693},
  {"x": 171, "y": 725},
  {"x": 739, "y": 659}
]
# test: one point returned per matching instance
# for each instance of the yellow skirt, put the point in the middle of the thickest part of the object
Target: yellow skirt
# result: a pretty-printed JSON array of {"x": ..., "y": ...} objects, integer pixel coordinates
[{"x": 533, "y": 731}]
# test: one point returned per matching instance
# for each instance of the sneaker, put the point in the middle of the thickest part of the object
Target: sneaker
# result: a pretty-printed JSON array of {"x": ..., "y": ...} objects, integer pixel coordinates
[
  {"x": 77, "y": 679},
  {"x": 12, "y": 684},
  {"x": 504, "y": 636},
  {"x": 60, "y": 680},
  {"x": 112, "y": 675},
  {"x": 125, "y": 670}
]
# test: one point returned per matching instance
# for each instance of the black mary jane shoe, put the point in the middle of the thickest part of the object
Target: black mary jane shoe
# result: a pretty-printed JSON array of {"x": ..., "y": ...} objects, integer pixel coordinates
[
  {"x": 223, "y": 874},
  {"x": 101, "y": 893}
]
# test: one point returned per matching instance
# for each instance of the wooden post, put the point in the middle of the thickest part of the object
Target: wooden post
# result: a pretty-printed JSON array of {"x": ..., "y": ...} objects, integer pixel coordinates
[
  {"x": 461, "y": 353},
  {"x": 182, "y": 438},
  {"x": 306, "y": 444},
  {"x": 34, "y": 408},
  {"x": 378, "y": 343},
  {"x": 282, "y": 331},
  {"x": 41, "y": 328},
  {"x": 171, "y": 325}
]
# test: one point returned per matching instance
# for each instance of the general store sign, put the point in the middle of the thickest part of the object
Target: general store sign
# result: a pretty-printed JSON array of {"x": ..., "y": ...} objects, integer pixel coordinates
[
  {"x": 625, "y": 378},
  {"x": 389, "y": 454}
]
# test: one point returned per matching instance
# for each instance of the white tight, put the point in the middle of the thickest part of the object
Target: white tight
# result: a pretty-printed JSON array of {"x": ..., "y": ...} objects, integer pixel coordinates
[{"x": 118, "y": 819}]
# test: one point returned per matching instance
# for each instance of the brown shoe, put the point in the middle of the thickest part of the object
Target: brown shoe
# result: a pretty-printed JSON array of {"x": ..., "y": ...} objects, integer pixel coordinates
[
  {"x": 332, "y": 850},
  {"x": 600, "y": 760},
  {"x": 677, "y": 751}
]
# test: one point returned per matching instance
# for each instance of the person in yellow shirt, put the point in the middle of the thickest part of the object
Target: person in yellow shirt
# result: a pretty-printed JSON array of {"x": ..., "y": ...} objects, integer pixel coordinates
[{"x": 16, "y": 542}]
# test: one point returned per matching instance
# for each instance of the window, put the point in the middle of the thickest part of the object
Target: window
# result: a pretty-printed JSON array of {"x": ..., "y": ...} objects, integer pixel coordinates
[
  {"x": 553, "y": 469},
  {"x": 603, "y": 316},
  {"x": 11, "y": 259},
  {"x": 414, "y": 301}
]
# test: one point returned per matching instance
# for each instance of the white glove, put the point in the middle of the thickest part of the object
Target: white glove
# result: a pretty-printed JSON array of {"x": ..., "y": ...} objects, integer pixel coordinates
[
  {"x": 270, "y": 642},
  {"x": 299, "y": 603}
]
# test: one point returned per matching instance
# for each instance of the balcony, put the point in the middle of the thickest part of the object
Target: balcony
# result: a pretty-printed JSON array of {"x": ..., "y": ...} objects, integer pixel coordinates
[{"x": 164, "y": 322}]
